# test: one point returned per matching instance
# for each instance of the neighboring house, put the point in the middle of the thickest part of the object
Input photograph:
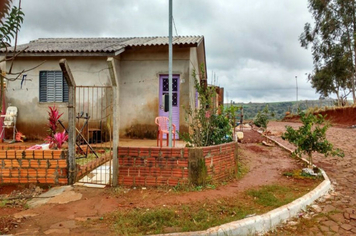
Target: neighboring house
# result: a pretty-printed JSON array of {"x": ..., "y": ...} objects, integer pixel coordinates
[{"x": 142, "y": 69}]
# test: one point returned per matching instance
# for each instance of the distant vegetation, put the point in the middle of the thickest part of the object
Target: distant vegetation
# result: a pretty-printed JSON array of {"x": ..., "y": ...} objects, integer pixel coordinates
[{"x": 279, "y": 108}]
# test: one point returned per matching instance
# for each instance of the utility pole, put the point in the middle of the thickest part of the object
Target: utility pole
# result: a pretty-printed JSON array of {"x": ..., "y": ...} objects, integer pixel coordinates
[
  {"x": 296, "y": 87},
  {"x": 170, "y": 60}
]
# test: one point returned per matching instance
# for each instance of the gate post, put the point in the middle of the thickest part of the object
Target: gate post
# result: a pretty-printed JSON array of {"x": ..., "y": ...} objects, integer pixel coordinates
[
  {"x": 72, "y": 172},
  {"x": 116, "y": 118}
]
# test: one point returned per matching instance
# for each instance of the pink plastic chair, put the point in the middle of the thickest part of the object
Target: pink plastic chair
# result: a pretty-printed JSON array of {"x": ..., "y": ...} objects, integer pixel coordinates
[{"x": 163, "y": 123}]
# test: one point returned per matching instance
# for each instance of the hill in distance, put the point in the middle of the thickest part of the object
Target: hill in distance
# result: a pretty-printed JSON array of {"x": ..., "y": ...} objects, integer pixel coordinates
[{"x": 279, "y": 108}]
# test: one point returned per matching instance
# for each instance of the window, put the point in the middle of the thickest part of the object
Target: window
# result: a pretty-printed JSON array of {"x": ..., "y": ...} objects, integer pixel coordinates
[{"x": 53, "y": 87}]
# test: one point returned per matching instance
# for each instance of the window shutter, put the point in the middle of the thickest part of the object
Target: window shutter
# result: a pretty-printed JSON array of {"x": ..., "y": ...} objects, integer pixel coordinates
[
  {"x": 65, "y": 91},
  {"x": 51, "y": 83},
  {"x": 43, "y": 86},
  {"x": 53, "y": 88},
  {"x": 58, "y": 87}
]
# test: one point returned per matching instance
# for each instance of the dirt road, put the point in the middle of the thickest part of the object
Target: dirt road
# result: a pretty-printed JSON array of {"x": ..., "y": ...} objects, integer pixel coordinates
[{"x": 338, "y": 214}]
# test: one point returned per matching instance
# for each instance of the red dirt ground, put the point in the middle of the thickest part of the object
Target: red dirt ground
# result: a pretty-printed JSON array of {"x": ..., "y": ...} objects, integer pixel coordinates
[
  {"x": 341, "y": 116},
  {"x": 265, "y": 167}
]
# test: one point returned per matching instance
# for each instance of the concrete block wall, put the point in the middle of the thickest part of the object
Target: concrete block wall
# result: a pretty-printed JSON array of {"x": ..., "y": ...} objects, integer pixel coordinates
[{"x": 20, "y": 166}]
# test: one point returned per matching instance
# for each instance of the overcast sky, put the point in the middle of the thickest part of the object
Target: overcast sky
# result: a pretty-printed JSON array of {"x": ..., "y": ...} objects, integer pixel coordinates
[{"x": 252, "y": 47}]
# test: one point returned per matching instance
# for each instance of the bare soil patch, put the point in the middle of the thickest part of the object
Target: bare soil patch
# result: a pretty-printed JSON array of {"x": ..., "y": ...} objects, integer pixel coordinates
[{"x": 264, "y": 166}]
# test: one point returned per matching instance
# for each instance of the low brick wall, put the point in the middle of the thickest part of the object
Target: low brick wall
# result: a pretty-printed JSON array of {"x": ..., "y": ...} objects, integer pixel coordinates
[
  {"x": 21, "y": 166},
  {"x": 143, "y": 166},
  {"x": 220, "y": 160}
]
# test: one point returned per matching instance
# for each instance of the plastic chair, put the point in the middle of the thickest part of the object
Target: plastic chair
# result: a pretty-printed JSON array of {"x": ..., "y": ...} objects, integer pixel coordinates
[
  {"x": 163, "y": 128},
  {"x": 10, "y": 121}
]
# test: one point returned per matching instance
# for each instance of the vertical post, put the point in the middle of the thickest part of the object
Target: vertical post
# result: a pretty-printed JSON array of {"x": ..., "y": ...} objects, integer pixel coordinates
[
  {"x": 170, "y": 55},
  {"x": 296, "y": 87},
  {"x": 114, "y": 83},
  {"x": 72, "y": 173}
]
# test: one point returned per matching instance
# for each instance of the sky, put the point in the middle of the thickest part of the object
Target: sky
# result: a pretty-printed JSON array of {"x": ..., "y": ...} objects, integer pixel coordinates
[{"x": 252, "y": 47}]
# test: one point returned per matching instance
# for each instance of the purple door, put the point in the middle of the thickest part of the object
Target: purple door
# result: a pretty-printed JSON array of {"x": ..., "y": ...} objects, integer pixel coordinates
[{"x": 164, "y": 89}]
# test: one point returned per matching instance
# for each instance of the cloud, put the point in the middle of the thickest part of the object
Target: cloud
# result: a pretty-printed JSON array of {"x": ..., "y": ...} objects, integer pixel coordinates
[{"x": 251, "y": 46}]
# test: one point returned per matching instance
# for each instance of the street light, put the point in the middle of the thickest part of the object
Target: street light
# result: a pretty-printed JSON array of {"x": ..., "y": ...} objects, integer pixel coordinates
[{"x": 296, "y": 87}]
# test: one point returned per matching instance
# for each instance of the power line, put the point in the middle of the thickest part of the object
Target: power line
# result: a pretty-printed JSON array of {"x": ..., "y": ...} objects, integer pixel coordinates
[{"x": 175, "y": 28}]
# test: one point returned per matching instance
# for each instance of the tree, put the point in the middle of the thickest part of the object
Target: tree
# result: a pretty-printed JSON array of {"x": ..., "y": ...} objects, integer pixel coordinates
[
  {"x": 262, "y": 118},
  {"x": 333, "y": 46},
  {"x": 207, "y": 127},
  {"x": 311, "y": 137},
  {"x": 11, "y": 19}
]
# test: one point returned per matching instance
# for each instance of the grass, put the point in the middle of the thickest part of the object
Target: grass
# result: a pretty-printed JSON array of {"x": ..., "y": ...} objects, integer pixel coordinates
[
  {"x": 3, "y": 203},
  {"x": 82, "y": 161},
  {"x": 202, "y": 215},
  {"x": 272, "y": 196}
]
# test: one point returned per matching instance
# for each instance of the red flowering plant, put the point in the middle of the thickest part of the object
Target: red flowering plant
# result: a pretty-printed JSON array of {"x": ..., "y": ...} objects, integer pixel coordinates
[{"x": 55, "y": 139}]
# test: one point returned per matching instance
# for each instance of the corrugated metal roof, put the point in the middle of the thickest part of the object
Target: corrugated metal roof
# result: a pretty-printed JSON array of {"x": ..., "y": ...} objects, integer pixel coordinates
[{"x": 98, "y": 45}]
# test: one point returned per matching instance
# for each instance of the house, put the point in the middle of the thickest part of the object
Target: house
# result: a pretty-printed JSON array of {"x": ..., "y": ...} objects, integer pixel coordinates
[{"x": 141, "y": 65}]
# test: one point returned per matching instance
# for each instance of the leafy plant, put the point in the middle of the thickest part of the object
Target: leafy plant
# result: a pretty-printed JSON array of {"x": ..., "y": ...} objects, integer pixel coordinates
[
  {"x": 207, "y": 127},
  {"x": 262, "y": 118},
  {"x": 53, "y": 119},
  {"x": 311, "y": 137},
  {"x": 11, "y": 20},
  {"x": 55, "y": 139}
]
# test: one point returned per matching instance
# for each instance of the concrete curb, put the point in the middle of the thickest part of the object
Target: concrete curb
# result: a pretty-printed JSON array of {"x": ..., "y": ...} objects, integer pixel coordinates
[{"x": 268, "y": 221}]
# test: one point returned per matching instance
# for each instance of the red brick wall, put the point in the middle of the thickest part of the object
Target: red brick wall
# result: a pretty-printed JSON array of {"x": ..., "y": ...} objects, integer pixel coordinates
[
  {"x": 220, "y": 160},
  {"x": 142, "y": 166},
  {"x": 18, "y": 165}
]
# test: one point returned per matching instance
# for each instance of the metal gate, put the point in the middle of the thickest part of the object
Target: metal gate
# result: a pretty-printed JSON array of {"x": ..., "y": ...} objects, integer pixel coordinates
[{"x": 94, "y": 106}]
